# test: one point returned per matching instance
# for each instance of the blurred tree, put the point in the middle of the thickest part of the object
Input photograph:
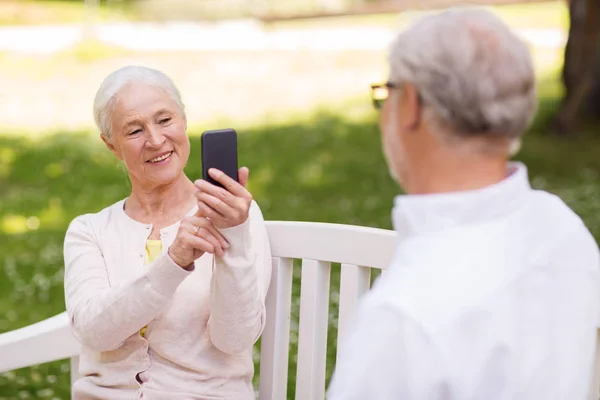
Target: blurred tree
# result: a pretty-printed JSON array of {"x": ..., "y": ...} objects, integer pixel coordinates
[{"x": 581, "y": 72}]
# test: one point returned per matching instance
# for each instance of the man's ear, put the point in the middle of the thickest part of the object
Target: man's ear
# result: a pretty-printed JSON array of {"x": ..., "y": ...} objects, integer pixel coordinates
[
  {"x": 411, "y": 107},
  {"x": 110, "y": 146}
]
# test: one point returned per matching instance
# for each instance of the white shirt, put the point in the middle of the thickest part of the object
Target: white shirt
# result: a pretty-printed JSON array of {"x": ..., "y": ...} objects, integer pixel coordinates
[{"x": 492, "y": 294}]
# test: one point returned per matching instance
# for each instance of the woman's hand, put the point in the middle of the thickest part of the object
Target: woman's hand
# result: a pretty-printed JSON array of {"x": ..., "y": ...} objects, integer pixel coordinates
[
  {"x": 225, "y": 207},
  {"x": 196, "y": 236}
]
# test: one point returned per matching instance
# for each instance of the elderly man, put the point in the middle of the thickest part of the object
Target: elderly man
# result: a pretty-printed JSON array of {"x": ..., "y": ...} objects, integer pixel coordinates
[{"x": 493, "y": 292}]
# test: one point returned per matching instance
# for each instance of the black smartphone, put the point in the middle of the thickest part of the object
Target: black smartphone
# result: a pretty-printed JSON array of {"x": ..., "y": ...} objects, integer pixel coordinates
[{"x": 219, "y": 150}]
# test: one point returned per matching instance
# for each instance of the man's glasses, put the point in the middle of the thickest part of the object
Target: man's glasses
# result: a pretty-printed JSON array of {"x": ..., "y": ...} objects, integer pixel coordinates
[{"x": 380, "y": 92}]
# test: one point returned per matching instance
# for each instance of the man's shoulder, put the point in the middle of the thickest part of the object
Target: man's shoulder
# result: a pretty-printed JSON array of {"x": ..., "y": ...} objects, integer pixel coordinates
[
  {"x": 550, "y": 208},
  {"x": 553, "y": 225}
]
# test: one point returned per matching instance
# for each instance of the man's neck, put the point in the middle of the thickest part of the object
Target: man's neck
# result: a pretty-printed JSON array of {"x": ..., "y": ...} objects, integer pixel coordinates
[
  {"x": 170, "y": 199},
  {"x": 455, "y": 175}
]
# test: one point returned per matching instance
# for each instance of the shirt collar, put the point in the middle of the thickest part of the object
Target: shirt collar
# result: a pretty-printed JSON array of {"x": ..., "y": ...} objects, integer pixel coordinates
[{"x": 422, "y": 214}]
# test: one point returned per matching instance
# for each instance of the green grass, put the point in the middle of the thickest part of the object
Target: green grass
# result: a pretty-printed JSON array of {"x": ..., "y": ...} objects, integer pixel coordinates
[{"x": 325, "y": 167}]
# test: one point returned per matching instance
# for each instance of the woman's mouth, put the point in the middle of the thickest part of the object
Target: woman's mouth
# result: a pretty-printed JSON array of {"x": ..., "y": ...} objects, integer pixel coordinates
[{"x": 160, "y": 158}]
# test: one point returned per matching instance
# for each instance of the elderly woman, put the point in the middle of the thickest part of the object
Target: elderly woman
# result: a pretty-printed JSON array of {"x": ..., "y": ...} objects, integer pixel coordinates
[{"x": 165, "y": 289}]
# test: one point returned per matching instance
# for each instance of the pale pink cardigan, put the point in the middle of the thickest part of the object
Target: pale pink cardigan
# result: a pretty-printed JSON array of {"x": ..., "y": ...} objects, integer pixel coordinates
[{"x": 201, "y": 324}]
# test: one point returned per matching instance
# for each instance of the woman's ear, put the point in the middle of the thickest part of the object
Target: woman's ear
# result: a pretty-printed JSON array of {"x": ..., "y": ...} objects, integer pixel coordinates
[{"x": 110, "y": 146}]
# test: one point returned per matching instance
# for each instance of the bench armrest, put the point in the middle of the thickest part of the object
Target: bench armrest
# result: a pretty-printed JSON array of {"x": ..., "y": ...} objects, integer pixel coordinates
[{"x": 42, "y": 342}]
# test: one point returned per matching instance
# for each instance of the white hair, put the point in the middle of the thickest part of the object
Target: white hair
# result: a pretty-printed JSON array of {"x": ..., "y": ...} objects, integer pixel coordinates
[
  {"x": 117, "y": 80},
  {"x": 474, "y": 76}
]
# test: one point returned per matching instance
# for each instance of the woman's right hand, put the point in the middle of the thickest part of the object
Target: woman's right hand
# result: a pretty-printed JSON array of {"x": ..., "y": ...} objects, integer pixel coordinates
[{"x": 196, "y": 236}]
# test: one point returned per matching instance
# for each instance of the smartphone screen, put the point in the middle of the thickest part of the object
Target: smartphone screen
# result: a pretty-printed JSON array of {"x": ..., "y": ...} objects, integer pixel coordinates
[{"x": 219, "y": 150}]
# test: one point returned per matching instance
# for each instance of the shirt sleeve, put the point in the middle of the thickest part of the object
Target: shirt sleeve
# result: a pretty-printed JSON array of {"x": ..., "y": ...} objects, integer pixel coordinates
[
  {"x": 239, "y": 286},
  {"x": 103, "y": 317},
  {"x": 387, "y": 356}
]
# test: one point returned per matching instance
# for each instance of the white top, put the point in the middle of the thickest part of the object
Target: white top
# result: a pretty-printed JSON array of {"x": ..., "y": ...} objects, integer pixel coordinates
[
  {"x": 202, "y": 324},
  {"x": 492, "y": 294}
]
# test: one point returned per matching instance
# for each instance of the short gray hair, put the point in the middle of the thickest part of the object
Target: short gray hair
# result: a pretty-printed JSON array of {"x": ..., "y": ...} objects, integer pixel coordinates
[
  {"x": 474, "y": 75},
  {"x": 117, "y": 80}
]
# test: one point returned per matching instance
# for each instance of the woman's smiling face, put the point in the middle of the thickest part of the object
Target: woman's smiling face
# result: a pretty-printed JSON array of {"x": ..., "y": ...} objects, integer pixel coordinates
[{"x": 149, "y": 135}]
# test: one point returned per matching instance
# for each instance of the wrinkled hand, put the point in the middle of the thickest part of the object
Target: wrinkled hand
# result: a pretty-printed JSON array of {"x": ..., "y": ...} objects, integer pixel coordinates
[
  {"x": 196, "y": 236},
  {"x": 225, "y": 207}
]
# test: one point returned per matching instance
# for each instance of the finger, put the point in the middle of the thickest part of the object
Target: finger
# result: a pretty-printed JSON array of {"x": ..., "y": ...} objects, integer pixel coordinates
[
  {"x": 205, "y": 211},
  {"x": 195, "y": 221},
  {"x": 215, "y": 232},
  {"x": 202, "y": 244},
  {"x": 218, "y": 192},
  {"x": 231, "y": 185},
  {"x": 205, "y": 234},
  {"x": 189, "y": 224},
  {"x": 243, "y": 176},
  {"x": 215, "y": 203},
  {"x": 206, "y": 224},
  {"x": 190, "y": 230}
]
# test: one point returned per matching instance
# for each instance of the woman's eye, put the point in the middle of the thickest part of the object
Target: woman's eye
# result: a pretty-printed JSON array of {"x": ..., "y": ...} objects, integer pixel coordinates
[
  {"x": 135, "y": 132},
  {"x": 165, "y": 120}
]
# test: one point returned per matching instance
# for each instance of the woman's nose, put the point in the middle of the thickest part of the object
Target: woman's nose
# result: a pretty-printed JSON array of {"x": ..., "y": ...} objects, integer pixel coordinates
[{"x": 155, "y": 138}]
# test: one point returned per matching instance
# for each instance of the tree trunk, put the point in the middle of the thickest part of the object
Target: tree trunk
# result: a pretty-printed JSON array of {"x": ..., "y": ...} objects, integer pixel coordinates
[{"x": 581, "y": 73}]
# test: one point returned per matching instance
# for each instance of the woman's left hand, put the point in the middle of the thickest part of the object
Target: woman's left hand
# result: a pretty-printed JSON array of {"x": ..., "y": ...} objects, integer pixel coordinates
[{"x": 225, "y": 207}]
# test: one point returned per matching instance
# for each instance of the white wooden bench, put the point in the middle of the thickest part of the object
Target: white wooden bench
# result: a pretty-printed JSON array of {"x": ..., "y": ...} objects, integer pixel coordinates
[{"x": 318, "y": 245}]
